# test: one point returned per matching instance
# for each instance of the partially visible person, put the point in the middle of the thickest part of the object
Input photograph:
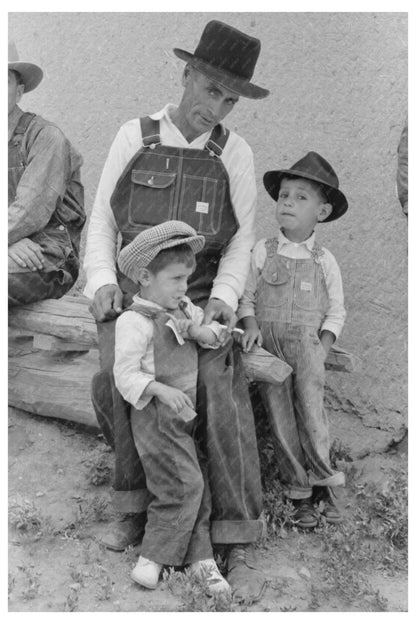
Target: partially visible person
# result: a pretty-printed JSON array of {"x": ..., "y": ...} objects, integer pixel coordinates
[
  {"x": 402, "y": 168},
  {"x": 155, "y": 370},
  {"x": 293, "y": 305},
  {"x": 46, "y": 197}
]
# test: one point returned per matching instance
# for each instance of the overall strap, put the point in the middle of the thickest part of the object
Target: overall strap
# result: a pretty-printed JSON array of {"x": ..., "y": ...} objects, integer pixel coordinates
[
  {"x": 217, "y": 140},
  {"x": 317, "y": 253},
  {"x": 150, "y": 131},
  {"x": 271, "y": 245},
  {"x": 22, "y": 126}
]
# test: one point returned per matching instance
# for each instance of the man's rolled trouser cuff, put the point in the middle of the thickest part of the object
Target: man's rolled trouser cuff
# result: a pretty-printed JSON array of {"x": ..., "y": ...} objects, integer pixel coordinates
[
  {"x": 237, "y": 531},
  {"x": 131, "y": 501}
]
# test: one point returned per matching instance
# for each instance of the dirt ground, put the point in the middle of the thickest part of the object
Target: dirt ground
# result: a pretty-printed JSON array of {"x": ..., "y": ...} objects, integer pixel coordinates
[{"x": 59, "y": 501}]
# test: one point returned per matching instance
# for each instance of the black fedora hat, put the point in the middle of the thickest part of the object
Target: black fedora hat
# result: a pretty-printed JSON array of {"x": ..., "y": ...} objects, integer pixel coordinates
[
  {"x": 312, "y": 167},
  {"x": 227, "y": 56}
]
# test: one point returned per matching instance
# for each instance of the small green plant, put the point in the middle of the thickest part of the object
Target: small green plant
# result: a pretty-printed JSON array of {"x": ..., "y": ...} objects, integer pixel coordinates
[
  {"x": 105, "y": 584},
  {"x": 192, "y": 592},
  {"x": 28, "y": 520},
  {"x": 99, "y": 468},
  {"x": 31, "y": 582},
  {"x": 11, "y": 583},
  {"x": 72, "y": 599}
]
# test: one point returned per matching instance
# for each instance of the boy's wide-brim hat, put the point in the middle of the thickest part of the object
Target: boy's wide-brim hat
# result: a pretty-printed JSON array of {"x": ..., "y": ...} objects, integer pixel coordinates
[
  {"x": 145, "y": 246},
  {"x": 31, "y": 74},
  {"x": 312, "y": 167},
  {"x": 227, "y": 56}
]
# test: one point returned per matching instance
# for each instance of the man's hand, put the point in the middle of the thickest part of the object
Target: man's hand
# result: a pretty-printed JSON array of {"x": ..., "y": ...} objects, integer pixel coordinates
[
  {"x": 218, "y": 310},
  {"x": 27, "y": 254},
  {"x": 108, "y": 302}
]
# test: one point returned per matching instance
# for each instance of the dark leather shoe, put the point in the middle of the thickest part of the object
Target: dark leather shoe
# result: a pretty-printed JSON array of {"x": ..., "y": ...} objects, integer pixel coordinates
[
  {"x": 124, "y": 532},
  {"x": 247, "y": 582},
  {"x": 331, "y": 513},
  {"x": 305, "y": 516}
]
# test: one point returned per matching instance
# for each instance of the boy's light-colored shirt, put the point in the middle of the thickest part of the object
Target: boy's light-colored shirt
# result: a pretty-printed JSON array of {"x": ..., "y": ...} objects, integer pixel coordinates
[
  {"x": 335, "y": 315},
  {"x": 134, "y": 365},
  {"x": 237, "y": 157}
]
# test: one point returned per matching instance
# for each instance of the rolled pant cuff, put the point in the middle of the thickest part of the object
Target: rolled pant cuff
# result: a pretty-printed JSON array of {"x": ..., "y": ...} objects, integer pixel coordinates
[
  {"x": 131, "y": 501},
  {"x": 237, "y": 531}
]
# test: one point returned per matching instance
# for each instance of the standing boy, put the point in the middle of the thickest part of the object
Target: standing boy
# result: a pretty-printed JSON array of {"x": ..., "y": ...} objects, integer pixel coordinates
[
  {"x": 155, "y": 370},
  {"x": 293, "y": 305}
]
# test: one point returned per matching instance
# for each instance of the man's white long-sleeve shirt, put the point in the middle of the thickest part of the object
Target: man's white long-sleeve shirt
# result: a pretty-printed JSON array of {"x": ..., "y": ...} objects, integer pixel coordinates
[
  {"x": 237, "y": 157},
  {"x": 335, "y": 315}
]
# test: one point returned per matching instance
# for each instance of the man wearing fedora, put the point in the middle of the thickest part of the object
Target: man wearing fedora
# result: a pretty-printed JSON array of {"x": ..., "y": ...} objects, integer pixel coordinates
[
  {"x": 182, "y": 163},
  {"x": 46, "y": 197}
]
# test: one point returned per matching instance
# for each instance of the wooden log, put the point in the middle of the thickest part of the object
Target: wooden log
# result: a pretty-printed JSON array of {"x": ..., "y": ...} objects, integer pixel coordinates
[
  {"x": 67, "y": 318},
  {"x": 54, "y": 384}
]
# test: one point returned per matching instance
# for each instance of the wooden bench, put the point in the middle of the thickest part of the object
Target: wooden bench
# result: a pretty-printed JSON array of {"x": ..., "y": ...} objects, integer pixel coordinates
[{"x": 53, "y": 355}]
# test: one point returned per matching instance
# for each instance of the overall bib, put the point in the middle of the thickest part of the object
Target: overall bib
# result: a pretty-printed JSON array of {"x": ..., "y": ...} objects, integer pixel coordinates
[
  {"x": 177, "y": 529},
  {"x": 160, "y": 183},
  {"x": 59, "y": 239},
  {"x": 292, "y": 300}
]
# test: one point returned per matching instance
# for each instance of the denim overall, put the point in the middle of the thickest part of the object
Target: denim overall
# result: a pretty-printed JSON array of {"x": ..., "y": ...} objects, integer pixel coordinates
[
  {"x": 292, "y": 300},
  {"x": 59, "y": 239},
  {"x": 177, "y": 529},
  {"x": 160, "y": 183}
]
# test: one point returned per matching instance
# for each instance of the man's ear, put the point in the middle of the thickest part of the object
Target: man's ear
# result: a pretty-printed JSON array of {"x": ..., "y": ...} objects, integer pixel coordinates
[
  {"x": 19, "y": 93},
  {"x": 325, "y": 211},
  {"x": 144, "y": 276},
  {"x": 186, "y": 74}
]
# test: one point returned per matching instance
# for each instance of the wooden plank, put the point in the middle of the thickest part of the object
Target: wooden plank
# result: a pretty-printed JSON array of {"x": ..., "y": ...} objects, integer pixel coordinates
[
  {"x": 260, "y": 365},
  {"x": 51, "y": 384},
  {"x": 340, "y": 360}
]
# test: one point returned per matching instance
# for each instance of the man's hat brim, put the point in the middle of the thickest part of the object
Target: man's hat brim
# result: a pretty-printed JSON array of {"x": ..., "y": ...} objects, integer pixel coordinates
[
  {"x": 31, "y": 74},
  {"x": 226, "y": 79},
  {"x": 273, "y": 179}
]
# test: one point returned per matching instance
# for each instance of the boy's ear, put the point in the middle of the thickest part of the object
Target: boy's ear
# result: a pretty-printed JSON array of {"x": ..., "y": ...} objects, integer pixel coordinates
[
  {"x": 144, "y": 276},
  {"x": 326, "y": 210}
]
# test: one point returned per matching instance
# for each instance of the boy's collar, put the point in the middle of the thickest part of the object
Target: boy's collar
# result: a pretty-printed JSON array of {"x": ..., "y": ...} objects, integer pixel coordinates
[{"x": 308, "y": 243}]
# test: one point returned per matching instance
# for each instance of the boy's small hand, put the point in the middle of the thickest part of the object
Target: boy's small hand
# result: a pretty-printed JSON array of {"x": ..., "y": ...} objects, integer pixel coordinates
[
  {"x": 251, "y": 336},
  {"x": 173, "y": 398},
  {"x": 182, "y": 325}
]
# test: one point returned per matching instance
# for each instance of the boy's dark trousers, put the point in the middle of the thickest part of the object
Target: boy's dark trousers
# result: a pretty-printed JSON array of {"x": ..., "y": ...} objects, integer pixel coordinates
[{"x": 226, "y": 422}]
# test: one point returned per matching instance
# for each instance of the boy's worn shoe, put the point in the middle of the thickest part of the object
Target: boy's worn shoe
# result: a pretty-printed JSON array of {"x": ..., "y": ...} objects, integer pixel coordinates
[
  {"x": 331, "y": 513},
  {"x": 208, "y": 570},
  {"x": 124, "y": 532},
  {"x": 246, "y": 580},
  {"x": 146, "y": 573},
  {"x": 305, "y": 516}
]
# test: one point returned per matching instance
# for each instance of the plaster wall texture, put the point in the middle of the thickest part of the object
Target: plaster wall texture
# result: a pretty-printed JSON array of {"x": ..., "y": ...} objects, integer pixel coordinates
[{"x": 338, "y": 85}]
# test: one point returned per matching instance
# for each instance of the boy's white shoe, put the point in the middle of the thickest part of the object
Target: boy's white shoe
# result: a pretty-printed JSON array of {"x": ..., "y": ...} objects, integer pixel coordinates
[
  {"x": 207, "y": 569},
  {"x": 146, "y": 573}
]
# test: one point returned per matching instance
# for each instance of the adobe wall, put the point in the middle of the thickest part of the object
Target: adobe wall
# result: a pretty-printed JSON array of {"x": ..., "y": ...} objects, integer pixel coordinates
[{"x": 338, "y": 85}]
